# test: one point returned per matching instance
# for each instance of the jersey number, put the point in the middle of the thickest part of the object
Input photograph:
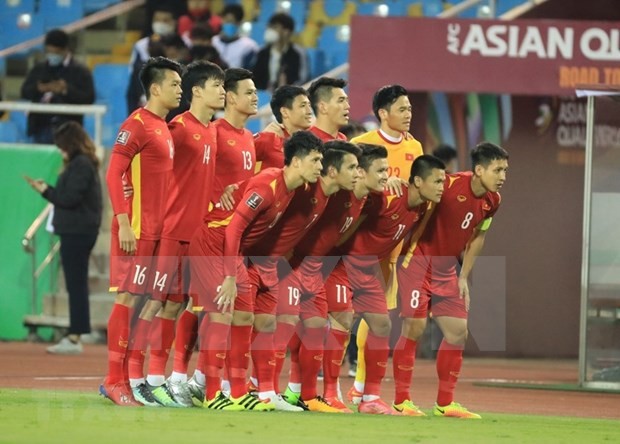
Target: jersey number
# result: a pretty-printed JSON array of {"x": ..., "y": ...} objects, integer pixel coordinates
[
  {"x": 247, "y": 160},
  {"x": 293, "y": 295},
  {"x": 468, "y": 217},
  {"x": 140, "y": 275},
  {"x": 415, "y": 299},
  {"x": 399, "y": 231},
  {"x": 160, "y": 282},
  {"x": 207, "y": 154},
  {"x": 341, "y": 294}
]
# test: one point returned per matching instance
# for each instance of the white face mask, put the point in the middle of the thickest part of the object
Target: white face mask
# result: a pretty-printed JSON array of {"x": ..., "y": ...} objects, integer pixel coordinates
[
  {"x": 163, "y": 28},
  {"x": 271, "y": 36}
]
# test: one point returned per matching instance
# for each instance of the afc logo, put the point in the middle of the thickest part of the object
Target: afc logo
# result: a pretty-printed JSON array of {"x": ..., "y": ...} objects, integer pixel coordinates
[{"x": 254, "y": 201}]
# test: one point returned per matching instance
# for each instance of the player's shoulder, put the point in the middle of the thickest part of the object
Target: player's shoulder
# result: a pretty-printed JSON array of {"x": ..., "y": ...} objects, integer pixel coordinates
[
  {"x": 265, "y": 137},
  {"x": 180, "y": 121},
  {"x": 267, "y": 176},
  {"x": 367, "y": 137},
  {"x": 410, "y": 139},
  {"x": 458, "y": 180}
]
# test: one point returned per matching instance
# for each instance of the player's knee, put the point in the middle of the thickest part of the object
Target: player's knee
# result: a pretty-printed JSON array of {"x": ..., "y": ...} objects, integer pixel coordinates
[
  {"x": 170, "y": 310},
  {"x": 315, "y": 322},
  {"x": 288, "y": 319},
  {"x": 456, "y": 336},
  {"x": 413, "y": 328},
  {"x": 265, "y": 323},
  {"x": 243, "y": 318},
  {"x": 342, "y": 321},
  {"x": 380, "y": 326},
  {"x": 150, "y": 309}
]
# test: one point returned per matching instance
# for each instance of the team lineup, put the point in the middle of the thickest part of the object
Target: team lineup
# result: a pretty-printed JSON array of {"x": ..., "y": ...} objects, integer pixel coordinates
[{"x": 252, "y": 246}]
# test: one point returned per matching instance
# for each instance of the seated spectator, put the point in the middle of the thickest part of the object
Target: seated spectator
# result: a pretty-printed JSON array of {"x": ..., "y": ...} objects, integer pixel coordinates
[
  {"x": 447, "y": 154},
  {"x": 162, "y": 25},
  {"x": 280, "y": 62},
  {"x": 175, "y": 49},
  {"x": 201, "y": 47},
  {"x": 236, "y": 50},
  {"x": 59, "y": 79},
  {"x": 199, "y": 13}
]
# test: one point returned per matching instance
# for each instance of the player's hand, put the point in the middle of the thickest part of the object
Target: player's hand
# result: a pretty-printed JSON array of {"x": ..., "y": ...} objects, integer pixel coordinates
[
  {"x": 226, "y": 200},
  {"x": 127, "y": 239},
  {"x": 394, "y": 185},
  {"x": 225, "y": 298},
  {"x": 464, "y": 292},
  {"x": 38, "y": 185},
  {"x": 127, "y": 190},
  {"x": 275, "y": 128}
]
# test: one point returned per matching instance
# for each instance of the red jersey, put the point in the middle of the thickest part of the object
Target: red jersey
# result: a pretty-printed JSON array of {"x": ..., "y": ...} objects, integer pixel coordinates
[
  {"x": 343, "y": 210},
  {"x": 306, "y": 207},
  {"x": 326, "y": 137},
  {"x": 192, "y": 176},
  {"x": 265, "y": 199},
  {"x": 270, "y": 150},
  {"x": 454, "y": 219},
  {"x": 142, "y": 157},
  {"x": 236, "y": 157},
  {"x": 389, "y": 220}
]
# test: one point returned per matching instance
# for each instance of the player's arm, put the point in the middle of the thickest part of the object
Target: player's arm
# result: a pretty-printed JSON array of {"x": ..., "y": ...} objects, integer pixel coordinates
[
  {"x": 123, "y": 152},
  {"x": 472, "y": 251},
  {"x": 352, "y": 229}
]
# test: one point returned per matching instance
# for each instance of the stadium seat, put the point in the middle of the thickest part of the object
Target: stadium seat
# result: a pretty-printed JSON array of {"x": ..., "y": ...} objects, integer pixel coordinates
[
  {"x": 91, "y": 6},
  {"x": 111, "y": 82},
  {"x": 11, "y": 7},
  {"x": 335, "y": 49},
  {"x": 432, "y": 8},
  {"x": 12, "y": 34},
  {"x": 316, "y": 61},
  {"x": 8, "y": 132},
  {"x": 58, "y": 13},
  {"x": 264, "y": 97},
  {"x": 503, "y": 6},
  {"x": 20, "y": 120},
  {"x": 258, "y": 32}
]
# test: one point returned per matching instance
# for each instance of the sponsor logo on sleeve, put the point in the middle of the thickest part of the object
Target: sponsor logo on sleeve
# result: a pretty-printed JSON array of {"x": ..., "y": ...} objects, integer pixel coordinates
[
  {"x": 254, "y": 201},
  {"x": 123, "y": 137}
]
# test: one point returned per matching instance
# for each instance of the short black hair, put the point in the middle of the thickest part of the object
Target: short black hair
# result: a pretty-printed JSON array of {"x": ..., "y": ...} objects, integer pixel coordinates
[
  {"x": 165, "y": 8},
  {"x": 284, "y": 96},
  {"x": 233, "y": 76},
  {"x": 370, "y": 153},
  {"x": 154, "y": 71},
  {"x": 423, "y": 166},
  {"x": 334, "y": 152},
  {"x": 385, "y": 97},
  {"x": 282, "y": 19},
  {"x": 197, "y": 73},
  {"x": 487, "y": 152},
  {"x": 174, "y": 41},
  {"x": 445, "y": 153},
  {"x": 321, "y": 89},
  {"x": 300, "y": 144},
  {"x": 352, "y": 129},
  {"x": 235, "y": 10},
  {"x": 201, "y": 31},
  {"x": 57, "y": 38}
]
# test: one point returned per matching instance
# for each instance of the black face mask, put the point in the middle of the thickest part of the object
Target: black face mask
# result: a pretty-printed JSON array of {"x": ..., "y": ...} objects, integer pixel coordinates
[{"x": 203, "y": 52}]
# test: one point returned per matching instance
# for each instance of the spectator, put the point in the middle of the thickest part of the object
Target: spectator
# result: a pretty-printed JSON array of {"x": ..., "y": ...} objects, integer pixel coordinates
[
  {"x": 175, "y": 49},
  {"x": 199, "y": 13},
  {"x": 280, "y": 62},
  {"x": 236, "y": 50},
  {"x": 59, "y": 79},
  {"x": 353, "y": 129},
  {"x": 447, "y": 154},
  {"x": 202, "y": 48},
  {"x": 77, "y": 217},
  {"x": 163, "y": 25}
]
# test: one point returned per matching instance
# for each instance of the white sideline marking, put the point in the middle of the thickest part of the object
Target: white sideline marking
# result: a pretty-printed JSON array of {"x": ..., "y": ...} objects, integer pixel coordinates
[{"x": 66, "y": 378}]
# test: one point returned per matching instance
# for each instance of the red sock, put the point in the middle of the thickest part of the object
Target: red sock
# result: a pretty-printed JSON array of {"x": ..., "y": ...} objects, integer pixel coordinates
[
  {"x": 215, "y": 346},
  {"x": 281, "y": 338},
  {"x": 294, "y": 345},
  {"x": 118, "y": 338},
  {"x": 202, "y": 352},
  {"x": 137, "y": 348},
  {"x": 263, "y": 359},
  {"x": 310, "y": 360},
  {"x": 449, "y": 361},
  {"x": 162, "y": 336},
  {"x": 376, "y": 352},
  {"x": 402, "y": 362},
  {"x": 185, "y": 340},
  {"x": 332, "y": 361},
  {"x": 239, "y": 358}
]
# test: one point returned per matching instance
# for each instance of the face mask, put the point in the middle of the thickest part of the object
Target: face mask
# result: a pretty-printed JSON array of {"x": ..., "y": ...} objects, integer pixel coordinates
[
  {"x": 162, "y": 28},
  {"x": 54, "y": 59},
  {"x": 198, "y": 12},
  {"x": 271, "y": 36},
  {"x": 229, "y": 29}
]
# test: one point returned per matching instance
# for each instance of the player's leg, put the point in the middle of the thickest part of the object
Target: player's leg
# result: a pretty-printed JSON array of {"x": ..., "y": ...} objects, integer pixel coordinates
[
  {"x": 357, "y": 389},
  {"x": 337, "y": 338}
]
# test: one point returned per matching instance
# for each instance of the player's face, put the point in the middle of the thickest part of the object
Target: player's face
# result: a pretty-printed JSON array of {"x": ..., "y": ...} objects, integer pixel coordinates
[
  {"x": 245, "y": 99},
  {"x": 170, "y": 90},
  {"x": 214, "y": 93},
  {"x": 376, "y": 177},
  {"x": 349, "y": 172},
  {"x": 494, "y": 175},
  {"x": 300, "y": 114},
  {"x": 431, "y": 188},
  {"x": 399, "y": 115},
  {"x": 337, "y": 109},
  {"x": 310, "y": 166}
]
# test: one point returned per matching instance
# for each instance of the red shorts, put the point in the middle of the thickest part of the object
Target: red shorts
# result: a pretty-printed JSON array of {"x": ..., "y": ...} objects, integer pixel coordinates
[
  {"x": 207, "y": 271},
  {"x": 338, "y": 290},
  {"x": 420, "y": 290},
  {"x": 132, "y": 273},
  {"x": 264, "y": 287},
  {"x": 361, "y": 289},
  {"x": 304, "y": 294},
  {"x": 171, "y": 282}
]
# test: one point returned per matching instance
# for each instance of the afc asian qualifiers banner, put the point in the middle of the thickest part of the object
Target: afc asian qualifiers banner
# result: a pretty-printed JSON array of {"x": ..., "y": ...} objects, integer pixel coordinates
[{"x": 539, "y": 57}]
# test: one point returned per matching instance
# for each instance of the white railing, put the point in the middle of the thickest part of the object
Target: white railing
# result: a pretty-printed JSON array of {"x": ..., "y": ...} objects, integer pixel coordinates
[{"x": 51, "y": 108}]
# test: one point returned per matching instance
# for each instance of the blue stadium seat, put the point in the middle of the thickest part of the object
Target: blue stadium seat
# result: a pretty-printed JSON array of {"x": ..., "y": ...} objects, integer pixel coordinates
[
  {"x": 17, "y": 6},
  {"x": 503, "y": 6},
  {"x": 367, "y": 8},
  {"x": 298, "y": 11},
  {"x": 8, "y": 132},
  {"x": 335, "y": 50},
  {"x": 264, "y": 97},
  {"x": 432, "y": 8},
  {"x": 20, "y": 120},
  {"x": 111, "y": 81},
  {"x": 258, "y": 32},
  {"x": 58, "y": 13},
  {"x": 91, "y": 6},
  {"x": 333, "y": 8},
  {"x": 316, "y": 61},
  {"x": 11, "y": 34}
]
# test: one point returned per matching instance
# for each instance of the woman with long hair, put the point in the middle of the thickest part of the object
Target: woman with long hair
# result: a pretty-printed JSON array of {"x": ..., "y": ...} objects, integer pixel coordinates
[{"x": 77, "y": 217}]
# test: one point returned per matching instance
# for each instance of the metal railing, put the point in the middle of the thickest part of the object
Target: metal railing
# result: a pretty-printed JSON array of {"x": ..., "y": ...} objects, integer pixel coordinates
[{"x": 30, "y": 246}]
